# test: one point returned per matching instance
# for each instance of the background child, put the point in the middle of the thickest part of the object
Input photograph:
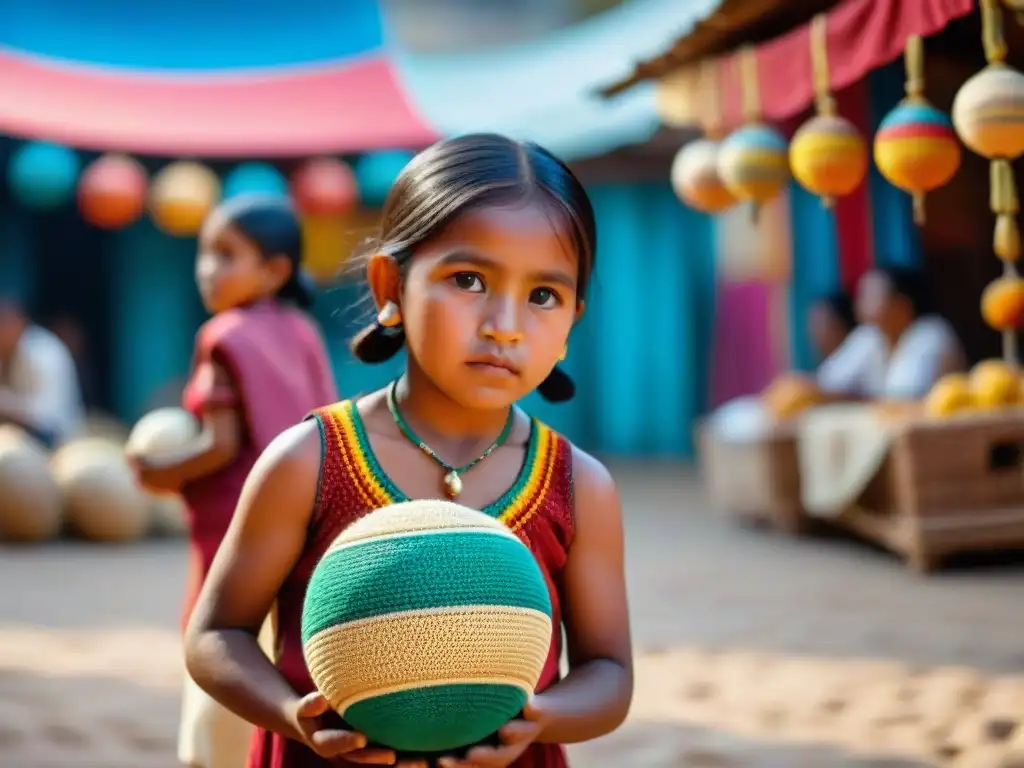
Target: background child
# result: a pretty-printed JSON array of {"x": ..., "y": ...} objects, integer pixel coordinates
[{"x": 259, "y": 367}]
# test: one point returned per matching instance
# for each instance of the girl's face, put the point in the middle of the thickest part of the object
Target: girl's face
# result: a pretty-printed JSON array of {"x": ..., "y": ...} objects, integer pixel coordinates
[
  {"x": 230, "y": 270},
  {"x": 488, "y": 304}
]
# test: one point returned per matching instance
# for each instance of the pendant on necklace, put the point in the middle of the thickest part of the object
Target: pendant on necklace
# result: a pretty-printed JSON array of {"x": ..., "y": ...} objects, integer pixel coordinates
[{"x": 452, "y": 484}]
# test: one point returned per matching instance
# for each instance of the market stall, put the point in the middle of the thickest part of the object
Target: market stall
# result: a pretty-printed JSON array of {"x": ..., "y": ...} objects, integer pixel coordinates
[{"x": 925, "y": 479}]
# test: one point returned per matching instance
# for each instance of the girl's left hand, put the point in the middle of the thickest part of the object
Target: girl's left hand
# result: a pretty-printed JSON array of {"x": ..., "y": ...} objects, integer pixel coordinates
[
  {"x": 154, "y": 479},
  {"x": 515, "y": 737}
]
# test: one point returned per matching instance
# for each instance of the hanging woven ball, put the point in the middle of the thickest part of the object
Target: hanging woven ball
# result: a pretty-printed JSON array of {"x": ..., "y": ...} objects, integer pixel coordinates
[
  {"x": 254, "y": 178},
  {"x": 988, "y": 113},
  {"x": 828, "y": 156},
  {"x": 426, "y": 626},
  {"x": 182, "y": 195},
  {"x": 753, "y": 163},
  {"x": 324, "y": 187},
  {"x": 42, "y": 176},
  {"x": 376, "y": 172},
  {"x": 112, "y": 192},
  {"x": 695, "y": 177},
  {"x": 1002, "y": 303},
  {"x": 916, "y": 149}
]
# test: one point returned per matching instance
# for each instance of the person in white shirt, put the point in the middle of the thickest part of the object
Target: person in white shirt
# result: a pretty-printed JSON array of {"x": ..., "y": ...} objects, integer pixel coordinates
[
  {"x": 899, "y": 350},
  {"x": 39, "y": 388}
]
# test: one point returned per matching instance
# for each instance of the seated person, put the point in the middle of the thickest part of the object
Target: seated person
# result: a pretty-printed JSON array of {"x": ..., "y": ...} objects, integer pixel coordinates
[
  {"x": 38, "y": 381},
  {"x": 899, "y": 350}
]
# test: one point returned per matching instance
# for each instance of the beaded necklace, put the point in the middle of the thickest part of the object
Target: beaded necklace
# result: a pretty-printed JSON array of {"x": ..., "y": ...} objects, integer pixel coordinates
[{"x": 452, "y": 479}]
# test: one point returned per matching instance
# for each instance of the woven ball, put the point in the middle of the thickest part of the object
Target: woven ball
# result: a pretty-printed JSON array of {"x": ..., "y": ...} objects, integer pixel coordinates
[
  {"x": 828, "y": 156},
  {"x": 916, "y": 149},
  {"x": 1002, "y": 303},
  {"x": 988, "y": 112},
  {"x": 426, "y": 626},
  {"x": 112, "y": 191},
  {"x": 753, "y": 163},
  {"x": 181, "y": 196},
  {"x": 695, "y": 177}
]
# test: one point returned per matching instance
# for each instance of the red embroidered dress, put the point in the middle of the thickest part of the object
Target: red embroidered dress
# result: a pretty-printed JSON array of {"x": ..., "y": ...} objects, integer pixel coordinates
[{"x": 538, "y": 507}]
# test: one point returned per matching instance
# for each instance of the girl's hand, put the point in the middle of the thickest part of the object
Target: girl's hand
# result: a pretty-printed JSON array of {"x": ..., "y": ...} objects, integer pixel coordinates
[
  {"x": 334, "y": 742},
  {"x": 515, "y": 737},
  {"x": 153, "y": 479}
]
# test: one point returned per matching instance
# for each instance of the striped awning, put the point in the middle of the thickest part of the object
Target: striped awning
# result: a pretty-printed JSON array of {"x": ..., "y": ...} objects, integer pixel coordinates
[{"x": 199, "y": 78}]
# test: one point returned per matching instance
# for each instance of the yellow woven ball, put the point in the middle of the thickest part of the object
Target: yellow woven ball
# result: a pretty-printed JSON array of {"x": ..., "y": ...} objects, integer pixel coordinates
[
  {"x": 695, "y": 177},
  {"x": 753, "y": 163},
  {"x": 426, "y": 625},
  {"x": 828, "y": 156},
  {"x": 181, "y": 196},
  {"x": 988, "y": 112}
]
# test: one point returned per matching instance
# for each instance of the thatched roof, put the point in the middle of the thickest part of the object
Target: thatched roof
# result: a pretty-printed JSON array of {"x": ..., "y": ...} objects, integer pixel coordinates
[{"x": 733, "y": 24}]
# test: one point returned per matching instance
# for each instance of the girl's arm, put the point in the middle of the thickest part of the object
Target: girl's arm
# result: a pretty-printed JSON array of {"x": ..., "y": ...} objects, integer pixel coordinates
[
  {"x": 595, "y": 696},
  {"x": 263, "y": 543},
  {"x": 216, "y": 445}
]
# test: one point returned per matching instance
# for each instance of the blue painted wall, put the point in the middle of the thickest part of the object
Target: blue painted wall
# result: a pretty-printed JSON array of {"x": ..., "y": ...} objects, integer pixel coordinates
[{"x": 815, "y": 269}]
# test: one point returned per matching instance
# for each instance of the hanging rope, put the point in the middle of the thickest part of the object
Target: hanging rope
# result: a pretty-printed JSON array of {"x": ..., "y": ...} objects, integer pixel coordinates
[
  {"x": 750, "y": 87},
  {"x": 913, "y": 60},
  {"x": 824, "y": 103},
  {"x": 709, "y": 87},
  {"x": 1003, "y": 199}
]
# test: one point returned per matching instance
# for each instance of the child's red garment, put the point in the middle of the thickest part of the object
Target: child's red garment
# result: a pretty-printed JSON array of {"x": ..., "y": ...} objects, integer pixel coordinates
[
  {"x": 539, "y": 508},
  {"x": 281, "y": 372}
]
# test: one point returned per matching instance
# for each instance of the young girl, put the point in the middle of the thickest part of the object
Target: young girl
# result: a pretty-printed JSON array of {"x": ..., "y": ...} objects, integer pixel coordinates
[
  {"x": 485, "y": 252},
  {"x": 260, "y": 366}
]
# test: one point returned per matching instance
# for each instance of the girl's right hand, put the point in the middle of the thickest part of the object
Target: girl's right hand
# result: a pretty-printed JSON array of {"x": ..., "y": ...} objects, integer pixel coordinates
[{"x": 335, "y": 742}]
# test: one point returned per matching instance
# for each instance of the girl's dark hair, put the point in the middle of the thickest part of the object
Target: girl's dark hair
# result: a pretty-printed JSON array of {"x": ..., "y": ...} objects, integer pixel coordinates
[
  {"x": 841, "y": 306},
  {"x": 272, "y": 225},
  {"x": 911, "y": 285},
  {"x": 458, "y": 175}
]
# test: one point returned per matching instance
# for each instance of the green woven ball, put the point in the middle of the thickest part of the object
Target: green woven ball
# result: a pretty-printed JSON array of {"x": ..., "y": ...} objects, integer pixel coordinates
[{"x": 426, "y": 626}]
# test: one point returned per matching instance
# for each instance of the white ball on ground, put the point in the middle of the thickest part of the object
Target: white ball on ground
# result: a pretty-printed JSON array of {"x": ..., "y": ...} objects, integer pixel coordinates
[
  {"x": 30, "y": 502},
  {"x": 162, "y": 432},
  {"x": 102, "y": 501}
]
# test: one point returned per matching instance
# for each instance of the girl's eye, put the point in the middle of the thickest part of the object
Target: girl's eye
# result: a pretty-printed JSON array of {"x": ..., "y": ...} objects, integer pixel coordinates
[
  {"x": 544, "y": 297},
  {"x": 468, "y": 281}
]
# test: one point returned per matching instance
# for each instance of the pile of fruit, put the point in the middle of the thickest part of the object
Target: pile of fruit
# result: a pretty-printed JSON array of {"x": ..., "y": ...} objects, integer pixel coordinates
[{"x": 991, "y": 385}]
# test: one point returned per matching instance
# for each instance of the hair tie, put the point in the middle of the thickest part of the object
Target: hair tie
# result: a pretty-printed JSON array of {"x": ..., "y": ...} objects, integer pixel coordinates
[{"x": 558, "y": 387}]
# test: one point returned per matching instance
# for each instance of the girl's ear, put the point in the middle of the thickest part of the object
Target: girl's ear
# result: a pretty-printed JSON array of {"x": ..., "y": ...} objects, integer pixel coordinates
[
  {"x": 580, "y": 306},
  {"x": 385, "y": 279}
]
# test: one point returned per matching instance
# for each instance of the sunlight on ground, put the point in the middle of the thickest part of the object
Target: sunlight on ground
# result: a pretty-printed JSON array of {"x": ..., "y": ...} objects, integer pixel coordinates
[{"x": 124, "y": 682}]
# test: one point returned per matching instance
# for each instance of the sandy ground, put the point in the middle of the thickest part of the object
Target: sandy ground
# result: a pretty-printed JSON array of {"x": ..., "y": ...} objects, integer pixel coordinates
[{"x": 752, "y": 650}]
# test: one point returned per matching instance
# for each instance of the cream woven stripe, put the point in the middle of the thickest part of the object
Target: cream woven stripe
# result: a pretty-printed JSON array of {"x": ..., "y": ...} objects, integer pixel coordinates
[
  {"x": 414, "y": 649},
  {"x": 416, "y": 516},
  {"x": 342, "y": 542}
]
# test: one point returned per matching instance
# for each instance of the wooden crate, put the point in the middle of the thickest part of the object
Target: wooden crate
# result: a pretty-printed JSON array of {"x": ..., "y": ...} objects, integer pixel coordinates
[
  {"x": 947, "y": 486},
  {"x": 756, "y": 480}
]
